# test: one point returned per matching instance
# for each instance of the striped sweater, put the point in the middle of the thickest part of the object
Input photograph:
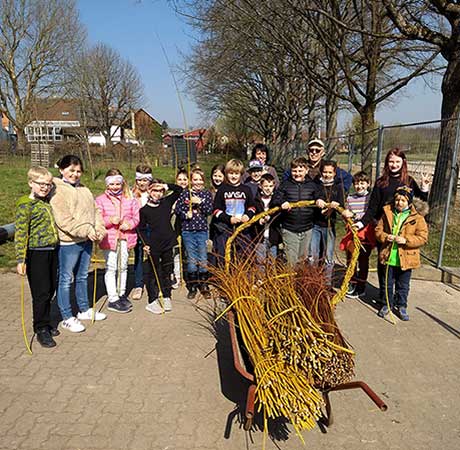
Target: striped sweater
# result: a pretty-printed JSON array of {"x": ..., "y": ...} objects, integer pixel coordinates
[{"x": 357, "y": 204}]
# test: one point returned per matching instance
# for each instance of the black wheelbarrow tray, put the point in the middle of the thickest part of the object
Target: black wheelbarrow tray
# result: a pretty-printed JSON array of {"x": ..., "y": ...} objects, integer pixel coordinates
[{"x": 250, "y": 397}]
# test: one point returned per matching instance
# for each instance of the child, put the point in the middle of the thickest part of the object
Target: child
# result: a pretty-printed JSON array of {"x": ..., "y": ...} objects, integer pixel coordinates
[
  {"x": 401, "y": 231},
  {"x": 268, "y": 233},
  {"x": 193, "y": 207},
  {"x": 296, "y": 223},
  {"x": 233, "y": 204},
  {"x": 217, "y": 178},
  {"x": 356, "y": 205},
  {"x": 140, "y": 192},
  {"x": 36, "y": 240},
  {"x": 120, "y": 212},
  {"x": 183, "y": 182},
  {"x": 255, "y": 171},
  {"x": 329, "y": 190},
  {"x": 159, "y": 239}
]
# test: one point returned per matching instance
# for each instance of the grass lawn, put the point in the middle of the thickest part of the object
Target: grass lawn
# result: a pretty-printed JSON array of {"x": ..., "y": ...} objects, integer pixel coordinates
[{"x": 14, "y": 184}]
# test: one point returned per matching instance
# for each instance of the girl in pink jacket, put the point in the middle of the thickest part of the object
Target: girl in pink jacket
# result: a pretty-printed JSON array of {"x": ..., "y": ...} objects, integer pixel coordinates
[{"x": 121, "y": 216}]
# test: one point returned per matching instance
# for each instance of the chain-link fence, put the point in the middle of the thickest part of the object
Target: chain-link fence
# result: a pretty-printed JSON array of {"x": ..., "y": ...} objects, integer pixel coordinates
[{"x": 420, "y": 142}]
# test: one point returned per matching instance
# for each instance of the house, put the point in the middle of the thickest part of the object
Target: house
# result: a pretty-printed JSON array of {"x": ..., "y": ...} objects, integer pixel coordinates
[
  {"x": 141, "y": 127},
  {"x": 57, "y": 120},
  {"x": 52, "y": 118}
]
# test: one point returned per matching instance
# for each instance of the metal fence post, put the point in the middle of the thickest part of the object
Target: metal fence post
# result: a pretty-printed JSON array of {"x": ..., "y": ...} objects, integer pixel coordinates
[
  {"x": 453, "y": 171},
  {"x": 378, "y": 157},
  {"x": 351, "y": 155}
]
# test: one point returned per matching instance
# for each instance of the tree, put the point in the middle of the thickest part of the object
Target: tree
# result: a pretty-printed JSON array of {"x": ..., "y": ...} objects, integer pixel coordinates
[
  {"x": 37, "y": 41},
  {"x": 239, "y": 73},
  {"x": 108, "y": 87},
  {"x": 437, "y": 22},
  {"x": 371, "y": 63}
]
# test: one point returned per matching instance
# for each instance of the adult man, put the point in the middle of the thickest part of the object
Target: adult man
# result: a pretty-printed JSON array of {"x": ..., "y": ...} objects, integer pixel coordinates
[{"x": 315, "y": 153}]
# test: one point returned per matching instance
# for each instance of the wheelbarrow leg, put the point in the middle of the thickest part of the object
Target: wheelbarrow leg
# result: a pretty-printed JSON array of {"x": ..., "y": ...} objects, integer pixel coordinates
[
  {"x": 249, "y": 411},
  {"x": 328, "y": 418}
]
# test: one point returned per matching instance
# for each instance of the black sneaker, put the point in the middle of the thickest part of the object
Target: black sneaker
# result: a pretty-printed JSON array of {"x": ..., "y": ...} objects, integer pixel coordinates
[
  {"x": 351, "y": 291},
  {"x": 123, "y": 299},
  {"x": 44, "y": 338},
  {"x": 54, "y": 331},
  {"x": 118, "y": 307}
]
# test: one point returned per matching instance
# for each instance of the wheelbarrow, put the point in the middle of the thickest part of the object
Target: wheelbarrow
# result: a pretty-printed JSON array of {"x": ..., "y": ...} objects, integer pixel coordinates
[{"x": 327, "y": 419}]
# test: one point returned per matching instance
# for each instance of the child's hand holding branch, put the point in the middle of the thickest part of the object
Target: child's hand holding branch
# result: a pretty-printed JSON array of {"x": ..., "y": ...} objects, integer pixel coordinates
[{"x": 21, "y": 269}]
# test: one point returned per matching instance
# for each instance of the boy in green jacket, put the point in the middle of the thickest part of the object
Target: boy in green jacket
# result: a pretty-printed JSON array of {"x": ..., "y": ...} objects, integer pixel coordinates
[{"x": 36, "y": 241}]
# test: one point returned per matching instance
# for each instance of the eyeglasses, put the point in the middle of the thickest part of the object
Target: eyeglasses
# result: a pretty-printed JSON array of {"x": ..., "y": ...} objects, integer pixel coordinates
[
  {"x": 43, "y": 185},
  {"x": 157, "y": 190},
  {"x": 315, "y": 150}
]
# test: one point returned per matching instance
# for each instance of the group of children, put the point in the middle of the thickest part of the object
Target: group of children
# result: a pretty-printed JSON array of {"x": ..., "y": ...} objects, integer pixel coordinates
[{"x": 140, "y": 219}]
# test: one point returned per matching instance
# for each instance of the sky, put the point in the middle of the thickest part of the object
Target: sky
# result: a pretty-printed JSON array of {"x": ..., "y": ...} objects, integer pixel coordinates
[{"x": 132, "y": 27}]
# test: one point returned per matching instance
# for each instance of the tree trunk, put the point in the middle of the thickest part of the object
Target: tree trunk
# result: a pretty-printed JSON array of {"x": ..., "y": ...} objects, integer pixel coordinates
[
  {"x": 367, "y": 115},
  {"x": 21, "y": 148},
  {"x": 450, "y": 110}
]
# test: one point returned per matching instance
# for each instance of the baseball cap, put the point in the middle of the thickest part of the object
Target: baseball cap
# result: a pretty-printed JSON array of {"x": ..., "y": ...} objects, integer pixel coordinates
[
  {"x": 316, "y": 142},
  {"x": 255, "y": 164}
]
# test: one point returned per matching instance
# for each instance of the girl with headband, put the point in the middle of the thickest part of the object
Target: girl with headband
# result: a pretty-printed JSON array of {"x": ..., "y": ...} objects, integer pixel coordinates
[
  {"x": 144, "y": 178},
  {"x": 120, "y": 212}
]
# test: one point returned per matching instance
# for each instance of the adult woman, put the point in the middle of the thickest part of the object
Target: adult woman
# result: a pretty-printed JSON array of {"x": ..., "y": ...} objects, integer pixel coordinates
[
  {"x": 79, "y": 224},
  {"x": 261, "y": 153},
  {"x": 395, "y": 174}
]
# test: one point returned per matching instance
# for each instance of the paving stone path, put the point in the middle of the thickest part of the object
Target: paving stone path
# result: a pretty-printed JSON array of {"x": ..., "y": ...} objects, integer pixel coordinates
[{"x": 145, "y": 382}]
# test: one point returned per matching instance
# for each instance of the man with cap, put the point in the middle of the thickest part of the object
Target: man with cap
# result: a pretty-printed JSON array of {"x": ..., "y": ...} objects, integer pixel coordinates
[{"x": 315, "y": 153}]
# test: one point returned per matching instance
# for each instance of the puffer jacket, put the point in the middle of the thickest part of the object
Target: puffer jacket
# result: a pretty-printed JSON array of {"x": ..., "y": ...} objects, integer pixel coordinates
[
  {"x": 296, "y": 220},
  {"x": 128, "y": 211},
  {"x": 75, "y": 212},
  {"x": 414, "y": 229}
]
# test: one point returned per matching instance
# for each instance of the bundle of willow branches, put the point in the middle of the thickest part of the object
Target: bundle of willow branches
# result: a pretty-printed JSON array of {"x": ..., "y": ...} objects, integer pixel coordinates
[{"x": 286, "y": 320}]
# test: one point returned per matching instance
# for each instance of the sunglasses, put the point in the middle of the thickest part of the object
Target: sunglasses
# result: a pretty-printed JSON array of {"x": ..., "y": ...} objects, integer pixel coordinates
[
  {"x": 43, "y": 185},
  {"x": 315, "y": 150}
]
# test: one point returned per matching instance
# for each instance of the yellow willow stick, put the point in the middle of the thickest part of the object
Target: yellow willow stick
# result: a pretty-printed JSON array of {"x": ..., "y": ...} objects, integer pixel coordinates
[
  {"x": 181, "y": 104},
  {"x": 157, "y": 278},
  {"x": 23, "y": 322}
]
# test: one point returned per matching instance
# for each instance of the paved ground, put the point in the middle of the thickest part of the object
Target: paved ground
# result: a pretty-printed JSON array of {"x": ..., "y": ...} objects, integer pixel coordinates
[{"x": 142, "y": 382}]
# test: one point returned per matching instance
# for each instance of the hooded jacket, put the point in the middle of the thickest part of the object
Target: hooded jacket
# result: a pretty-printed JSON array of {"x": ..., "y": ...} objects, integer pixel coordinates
[
  {"x": 414, "y": 230},
  {"x": 128, "y": 211}
]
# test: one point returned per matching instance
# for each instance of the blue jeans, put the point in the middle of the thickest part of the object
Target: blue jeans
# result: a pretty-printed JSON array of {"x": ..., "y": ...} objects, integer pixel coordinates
[
  {"x": 73, "y": 266},
  {"x": 264, "y": 250},
  {"x": 398, "y": 285},
  {"x": 196, "y": 248},
  {"x": 139, "y": 265},
  {"x": 323, "y": 237}
]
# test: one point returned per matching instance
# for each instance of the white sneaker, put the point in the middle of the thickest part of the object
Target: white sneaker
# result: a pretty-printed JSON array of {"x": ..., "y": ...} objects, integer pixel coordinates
[
  {"x": 167, "y": 304},
  {"x": 136, "y": 293},
  {"x": 88, "y": 315},
  {"x": 154, "y": 307},
  {"x": 73, "y": 324}
]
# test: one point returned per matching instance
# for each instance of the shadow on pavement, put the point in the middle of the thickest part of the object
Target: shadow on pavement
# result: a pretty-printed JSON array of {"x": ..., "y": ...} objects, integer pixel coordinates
[
  {"x": 235, "y": 387},
  {"x": 440, "y": 322}
]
